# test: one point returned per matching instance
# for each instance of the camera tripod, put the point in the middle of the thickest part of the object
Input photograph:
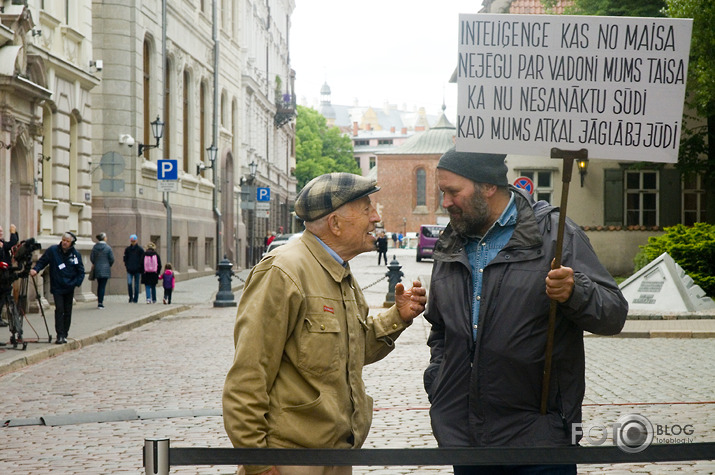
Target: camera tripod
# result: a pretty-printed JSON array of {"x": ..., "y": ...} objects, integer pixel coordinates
[{"x": 16, "y": 315}]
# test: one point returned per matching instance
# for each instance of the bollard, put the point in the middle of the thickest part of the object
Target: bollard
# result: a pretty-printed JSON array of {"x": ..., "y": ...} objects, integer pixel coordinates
[
  {"x": 224, "y": 296},
  {"x": 156, "y": 456},
  {"x": 394, "y": 276}
]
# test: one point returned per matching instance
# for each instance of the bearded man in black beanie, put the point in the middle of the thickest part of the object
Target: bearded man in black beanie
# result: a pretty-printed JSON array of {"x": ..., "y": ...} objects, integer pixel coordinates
[
  {"x": 66, "y": 273},
  {"x": 489, "y": 301}
]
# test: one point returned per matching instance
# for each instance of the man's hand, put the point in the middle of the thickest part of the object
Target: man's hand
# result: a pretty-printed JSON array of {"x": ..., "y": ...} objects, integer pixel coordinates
[
  {"x": 559, "y": 283},
  {"x": 13, "y": 229},
  {"x": 33, "y": 273},
  {"x": 410, "y": 303}
]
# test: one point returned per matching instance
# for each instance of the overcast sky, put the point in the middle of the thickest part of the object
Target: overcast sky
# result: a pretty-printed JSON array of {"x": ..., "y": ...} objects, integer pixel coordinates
[{"x": 376, "y": 51}]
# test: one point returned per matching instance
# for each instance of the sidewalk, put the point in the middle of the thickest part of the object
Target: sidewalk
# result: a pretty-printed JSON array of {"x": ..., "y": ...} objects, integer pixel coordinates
[{"x": 91, "y": 325}]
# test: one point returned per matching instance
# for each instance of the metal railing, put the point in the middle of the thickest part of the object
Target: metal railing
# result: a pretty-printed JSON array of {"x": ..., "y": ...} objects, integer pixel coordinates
[{"x": 159, "y": 456}]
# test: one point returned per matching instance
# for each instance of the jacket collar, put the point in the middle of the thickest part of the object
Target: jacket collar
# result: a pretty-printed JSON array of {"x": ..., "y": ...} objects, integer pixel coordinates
[
  {"x": 526, "y": 234},
  {"x": 328, "y": 262}
]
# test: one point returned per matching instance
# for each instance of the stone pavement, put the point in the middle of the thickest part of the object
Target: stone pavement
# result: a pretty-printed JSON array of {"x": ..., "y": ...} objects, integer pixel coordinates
[
  {"x": 91, "y": 325},
  {"x": 178, "y": 362}
]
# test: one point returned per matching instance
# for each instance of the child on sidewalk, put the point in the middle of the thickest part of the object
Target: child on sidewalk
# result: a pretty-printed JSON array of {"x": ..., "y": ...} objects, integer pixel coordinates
[{"x": 168, "y": 282}]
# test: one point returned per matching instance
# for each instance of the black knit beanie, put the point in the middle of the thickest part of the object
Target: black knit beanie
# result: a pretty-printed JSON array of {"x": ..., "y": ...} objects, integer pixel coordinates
[{"x": 480, "y": 167}]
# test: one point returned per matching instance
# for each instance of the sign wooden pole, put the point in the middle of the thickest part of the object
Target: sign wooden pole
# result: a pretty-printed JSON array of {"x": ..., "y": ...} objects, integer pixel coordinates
[{"x": 568, "y": 157}]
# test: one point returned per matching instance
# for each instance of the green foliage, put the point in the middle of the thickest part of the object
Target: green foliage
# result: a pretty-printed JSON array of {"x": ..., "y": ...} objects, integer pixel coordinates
[
  {"x": 639, "y": 8},
  {"x": 693, "y": 248},
  {"x": 697, "y": 151},
  {"x": 320, "y": 149}
]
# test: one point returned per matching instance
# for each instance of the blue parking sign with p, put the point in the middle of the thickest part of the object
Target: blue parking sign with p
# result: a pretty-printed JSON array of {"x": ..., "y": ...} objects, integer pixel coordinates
[
  {"x": 263, "y": 194},
  {"x": 167, "y": 170}
]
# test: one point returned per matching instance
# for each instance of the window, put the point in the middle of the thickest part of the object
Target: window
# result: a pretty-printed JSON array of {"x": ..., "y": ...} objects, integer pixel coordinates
[
  {"x": 641, "y": 203},
  {"x": 543, "y": 183},
  {"x": 74, "y": 159},
  {"x": 192, "y": 254},
  {"x": 384, "y": 142},
  {"x": 185, "y": 119},
  {"x": 47, "y": 153},
  {"x": 373, "y": 162},
  {"x": 202, "y": 121},
  {"x": 421, "y": 183},
  {"x": 361, "y": 143},
  {"x": 209, "y": 252},
  {"x": 167, "y": 109},
  {"x": 148, "y": 138},
  {"x": 694, "y": 204}
]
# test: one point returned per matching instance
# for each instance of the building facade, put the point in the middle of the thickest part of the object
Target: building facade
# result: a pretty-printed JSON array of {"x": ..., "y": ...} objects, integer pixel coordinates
[
  {"x": 46, "y": 122},
  {"x": 85, "y": 82}
]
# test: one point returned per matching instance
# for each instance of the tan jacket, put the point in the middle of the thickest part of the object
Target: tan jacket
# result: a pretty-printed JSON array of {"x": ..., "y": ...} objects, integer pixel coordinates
[{"x": 302, "y": 336}]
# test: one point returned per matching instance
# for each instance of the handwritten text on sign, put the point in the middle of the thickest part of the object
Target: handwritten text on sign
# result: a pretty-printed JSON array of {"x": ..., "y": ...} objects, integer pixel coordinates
[{"x": 612, "y": 85}]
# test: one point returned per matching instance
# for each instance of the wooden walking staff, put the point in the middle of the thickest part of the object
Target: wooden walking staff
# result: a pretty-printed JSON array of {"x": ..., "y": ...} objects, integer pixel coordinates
[{"x": 568, "y": 157}]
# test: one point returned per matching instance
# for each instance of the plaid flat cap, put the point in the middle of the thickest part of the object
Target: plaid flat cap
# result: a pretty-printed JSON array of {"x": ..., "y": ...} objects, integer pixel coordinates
[{"x": 326, "y": 193}]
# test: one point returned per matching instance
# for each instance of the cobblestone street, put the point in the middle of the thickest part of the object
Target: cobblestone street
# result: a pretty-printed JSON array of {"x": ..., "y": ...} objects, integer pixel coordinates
[{"x": 179, "y": 363}]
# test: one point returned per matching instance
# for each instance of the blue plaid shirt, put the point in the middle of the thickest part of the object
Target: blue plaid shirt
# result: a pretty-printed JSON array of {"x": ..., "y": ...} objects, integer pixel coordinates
[{"x": 482, "y": 251}]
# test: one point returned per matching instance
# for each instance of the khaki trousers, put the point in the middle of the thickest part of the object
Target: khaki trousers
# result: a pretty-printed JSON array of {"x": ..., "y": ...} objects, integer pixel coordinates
[{"x": 308, "y": 470}]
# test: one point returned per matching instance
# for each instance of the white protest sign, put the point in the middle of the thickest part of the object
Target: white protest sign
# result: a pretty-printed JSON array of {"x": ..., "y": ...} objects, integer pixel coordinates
[{"x": 612, "y": 85}]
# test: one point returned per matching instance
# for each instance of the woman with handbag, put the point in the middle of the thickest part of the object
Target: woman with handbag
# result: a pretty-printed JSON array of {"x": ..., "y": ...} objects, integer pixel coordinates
[{"x": 102, "y": 258}]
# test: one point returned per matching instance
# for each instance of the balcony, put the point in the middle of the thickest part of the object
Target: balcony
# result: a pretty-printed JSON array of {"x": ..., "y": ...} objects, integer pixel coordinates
[{"x": 285, "y": 108}]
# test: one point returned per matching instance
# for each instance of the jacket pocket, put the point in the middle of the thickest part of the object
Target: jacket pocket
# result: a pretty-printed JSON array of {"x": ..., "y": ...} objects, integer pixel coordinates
[{"x": 318, "y": 349}]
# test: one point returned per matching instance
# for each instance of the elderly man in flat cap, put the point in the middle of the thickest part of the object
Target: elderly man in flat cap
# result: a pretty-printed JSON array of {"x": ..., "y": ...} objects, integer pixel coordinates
[
  {"x": 487, "y": 350},
  {"x": 303, "y": 333}
]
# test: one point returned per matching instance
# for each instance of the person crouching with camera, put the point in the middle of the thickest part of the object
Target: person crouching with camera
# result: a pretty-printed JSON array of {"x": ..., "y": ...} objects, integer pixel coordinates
[{"x": 66, "y": 273}]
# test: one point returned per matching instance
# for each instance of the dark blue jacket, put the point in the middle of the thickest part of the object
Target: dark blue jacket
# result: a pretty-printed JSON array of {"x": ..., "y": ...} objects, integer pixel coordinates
[
  {"x": 134, "y": 259},
  {"x": 66, "y": 268},
  {"x": 6, "y": 246}
]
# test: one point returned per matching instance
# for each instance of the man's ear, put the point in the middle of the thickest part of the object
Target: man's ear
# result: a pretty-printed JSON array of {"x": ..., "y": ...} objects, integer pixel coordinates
[{"x": 334, "y": 223}]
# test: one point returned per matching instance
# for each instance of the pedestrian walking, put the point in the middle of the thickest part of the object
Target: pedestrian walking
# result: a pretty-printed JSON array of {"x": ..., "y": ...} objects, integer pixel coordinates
[
  {"x": 394, "y": 240},
  {"x": 102, "y": 258},
  {"x": 152, "y": 269},
  {"x": 168, "y": 282},
  {"x": 381, "y": 245},
  {"x": 133, "y": 262},
  {"x": 484, "y": 380},
  {"x": 66, "y": 273},
  {"x": 303, "y": 333}
]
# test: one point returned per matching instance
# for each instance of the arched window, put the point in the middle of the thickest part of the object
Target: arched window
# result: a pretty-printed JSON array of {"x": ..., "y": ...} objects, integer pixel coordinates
[
  {"x": 167, "y": 109},
  {"x": 74, "y": 158},
  {"x": 46, "y": 153},
  {"x": 421, "y": 184},
  {"x": 146, "y": 87},
  {"x": 185, "y": 120},
  {"x": 202, "y": 121}
]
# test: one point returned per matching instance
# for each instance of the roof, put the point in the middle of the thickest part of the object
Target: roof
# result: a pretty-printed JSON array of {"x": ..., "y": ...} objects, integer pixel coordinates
[{"x": 436, "y": 140}]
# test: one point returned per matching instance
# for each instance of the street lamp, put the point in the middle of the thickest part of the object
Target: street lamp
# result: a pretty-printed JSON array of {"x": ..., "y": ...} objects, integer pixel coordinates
[
  {"x": 582, "y": 168},
  {"x": 157, "y": 128},
  {"x": 252, "y": 170},
  {"x": 211, "y": 152}
]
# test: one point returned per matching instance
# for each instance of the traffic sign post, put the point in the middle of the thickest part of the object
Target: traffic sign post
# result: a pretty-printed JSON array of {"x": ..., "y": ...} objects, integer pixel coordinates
[{"x": 167, "y": 175}]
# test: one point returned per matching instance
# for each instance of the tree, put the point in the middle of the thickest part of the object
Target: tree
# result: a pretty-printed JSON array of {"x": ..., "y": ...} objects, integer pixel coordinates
[
  {"x": 639, "y": 8},
  {"x": 320, "y": 149},
  {"x": 697, "y": 143},
  {"x": 697, "y": 148}
]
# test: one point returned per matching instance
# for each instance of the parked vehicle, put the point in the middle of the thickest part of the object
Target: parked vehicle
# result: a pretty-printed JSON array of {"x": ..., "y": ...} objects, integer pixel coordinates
[
  {"x": 280, "y": 240},
  {"x": 429, "y": 233}
]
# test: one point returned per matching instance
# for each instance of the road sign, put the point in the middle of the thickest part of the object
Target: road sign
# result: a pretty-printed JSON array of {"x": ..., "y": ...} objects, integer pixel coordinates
[
  {"x": 263, "y": 214},
  {"x": 167, "y": 185},
  {"x": 167, "y": 170},
  {"x": 263, "y": 194},
  {"x": 263, "y": 206},
  {"x": 525, "y": 183}
]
